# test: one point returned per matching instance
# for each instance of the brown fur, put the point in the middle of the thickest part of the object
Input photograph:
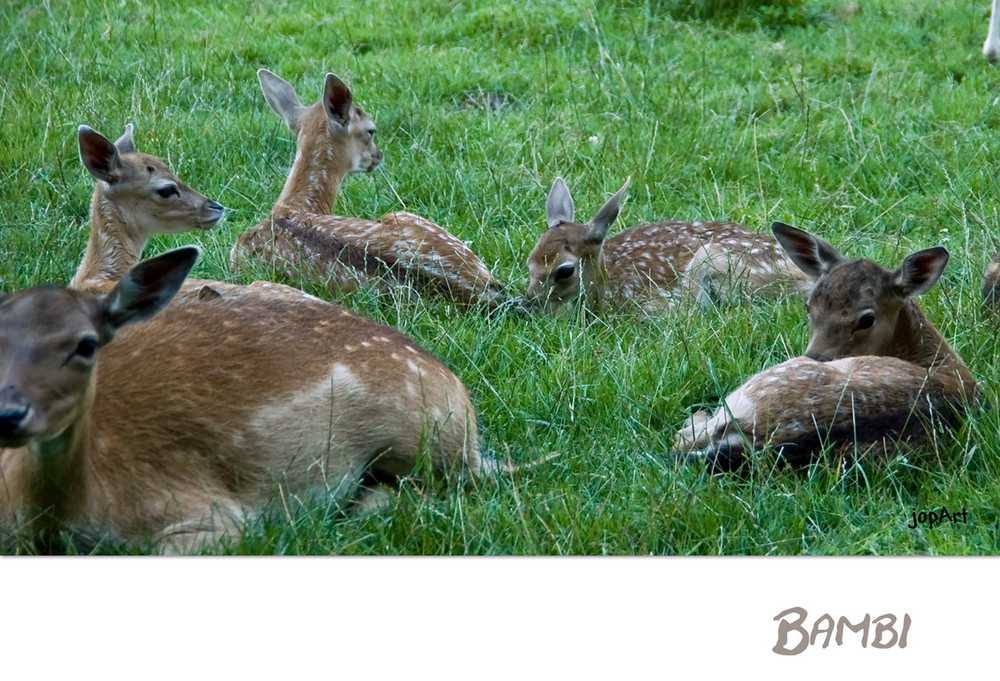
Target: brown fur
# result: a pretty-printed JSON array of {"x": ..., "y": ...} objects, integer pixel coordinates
[
  {"x": 203, "y": 413},
  {"x": 126, "y": 209},
  {"x": 655, "y": 265},
  {"x": 991, "y": 296},
  {"x": 876, "y": 371},
  {"x": 301, "y": 239}
]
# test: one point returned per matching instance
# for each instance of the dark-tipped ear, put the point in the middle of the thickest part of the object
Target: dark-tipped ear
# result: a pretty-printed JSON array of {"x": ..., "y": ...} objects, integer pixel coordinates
[
  {"x": 813, "y": 256},
  {"x": 920, "y": 271},
  {"x": 606, "y": 215},
  {"x": 281, "y": 97},
  {"x": 99, "y": 156},
  {"x": 559, "y": 205},
  {"x": 125, "y": 144},
  {"x": 337, "y": 100},
  {"x": 147, "y": 288}
]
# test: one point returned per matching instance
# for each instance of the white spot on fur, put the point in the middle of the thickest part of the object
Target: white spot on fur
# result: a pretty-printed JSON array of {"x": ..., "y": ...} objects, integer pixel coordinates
[{"x": 740, "y": 405}]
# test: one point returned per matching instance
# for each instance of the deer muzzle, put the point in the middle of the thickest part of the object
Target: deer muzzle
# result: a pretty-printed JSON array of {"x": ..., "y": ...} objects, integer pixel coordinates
[{"x": 14, "y": 412}]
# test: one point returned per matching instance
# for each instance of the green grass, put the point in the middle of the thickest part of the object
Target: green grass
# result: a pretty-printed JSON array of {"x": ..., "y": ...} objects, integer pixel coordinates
[{"x": 872, "y": 124}]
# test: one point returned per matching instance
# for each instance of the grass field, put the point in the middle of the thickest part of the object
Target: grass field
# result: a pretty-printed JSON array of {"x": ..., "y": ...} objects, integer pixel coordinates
[{"x": 873, "y": 124}]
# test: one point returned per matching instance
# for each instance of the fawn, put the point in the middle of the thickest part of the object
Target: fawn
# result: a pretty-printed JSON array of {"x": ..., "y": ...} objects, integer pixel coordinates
[
  {"x": 876, "y": 371},
  {"x": 203, "y": 413},
  {"x": 301, "y": 239},
  {"x": 655, "y": 264},
  {"x": 136, "y": 197}
]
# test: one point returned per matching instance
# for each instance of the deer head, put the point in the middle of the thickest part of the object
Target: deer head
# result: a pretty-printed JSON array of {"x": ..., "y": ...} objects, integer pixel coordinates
[
  {"x": 50, "y": 338},
  {"x": 568, "y": 260},
  {"x": 333, "y": 138},
  {"x": 857, "y": 307},
  {"x": 147, "y": 197}
]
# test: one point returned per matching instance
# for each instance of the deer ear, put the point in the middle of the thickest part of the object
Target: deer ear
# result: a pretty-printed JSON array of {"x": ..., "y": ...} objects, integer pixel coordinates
[
  {"x": 147, "y": 288},
  {"x": 814, "y": 256},
  {"x": 337, "y": 100},
  {"x": 559, "y": 205},
  {"x": 606, "y": 215},
  {"x": 99, "y": 156},
  {"x": 125, "y": 144},
  {"x": 281, "y": 97},
  {"x": 920, "y": 271}
]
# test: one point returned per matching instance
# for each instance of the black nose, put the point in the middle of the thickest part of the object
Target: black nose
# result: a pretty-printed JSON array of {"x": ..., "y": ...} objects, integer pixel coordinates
[
  {"x": 11, "y": 419},
  {"x": 211, "y": 213}
]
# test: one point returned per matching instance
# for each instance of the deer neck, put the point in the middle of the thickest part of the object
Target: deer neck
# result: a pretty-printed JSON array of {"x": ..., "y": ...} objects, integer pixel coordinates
[
  {"x": 114, "y": 246},
  {"x": 598, "y": 280},
  {"x": 315, "y": 179},
  {"x": 49, "y": 480},
  {"x": 916, "y": 340}
]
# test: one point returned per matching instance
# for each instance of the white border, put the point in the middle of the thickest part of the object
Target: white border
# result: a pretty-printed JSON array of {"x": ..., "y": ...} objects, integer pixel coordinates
[{"x": 474, "y": 618}]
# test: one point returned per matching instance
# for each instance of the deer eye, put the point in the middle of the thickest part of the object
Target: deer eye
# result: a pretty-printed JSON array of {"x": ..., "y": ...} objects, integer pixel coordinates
[
  {"x": 86, "y": 348},
  {"x": 167, "y": 191},
  {"x": 564, "y": 272},
  {"x": 866, "y": 321},
  {"x": 371, "y": 133}
]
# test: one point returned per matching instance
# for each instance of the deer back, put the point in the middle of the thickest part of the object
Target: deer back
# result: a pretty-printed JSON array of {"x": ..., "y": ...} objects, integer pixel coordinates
[
  {"x": 293, "y": 392},
  {"x": 344, "y": 253},
  {"x": 656, "y": 264},
  {"x": 707, "y": 261},
  {"x": 865, "y": 404}
]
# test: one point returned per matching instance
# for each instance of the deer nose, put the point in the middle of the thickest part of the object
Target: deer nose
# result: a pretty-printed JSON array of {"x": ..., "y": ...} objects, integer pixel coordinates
[
  {"x": 12, "y": 417},
  {"x": 211, "y": 213},
  {"x": 13, "y": 411}
]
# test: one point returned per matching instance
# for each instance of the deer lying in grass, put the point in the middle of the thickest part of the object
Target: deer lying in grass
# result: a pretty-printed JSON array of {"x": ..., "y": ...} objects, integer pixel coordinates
[
  {"x": 991, "y": 296},
  {"x": 199, "y": 415},
  {"x": 876, "y": 371},
  {"x": 655, "y": 265},
  {"x": 136, "y": 197},
  {"x": 301, "y": 239}
]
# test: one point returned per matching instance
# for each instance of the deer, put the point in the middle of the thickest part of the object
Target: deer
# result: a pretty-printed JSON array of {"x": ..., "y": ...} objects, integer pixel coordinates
[
  {"x": 656, "y": 265},
  {"x": 875, "y": 374},
  {"x": 175, "y": 424},
  {"x": 302, "y": 239},
  {"x": 991, "y": 296},
  {"x": 136, "y": 197}
]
